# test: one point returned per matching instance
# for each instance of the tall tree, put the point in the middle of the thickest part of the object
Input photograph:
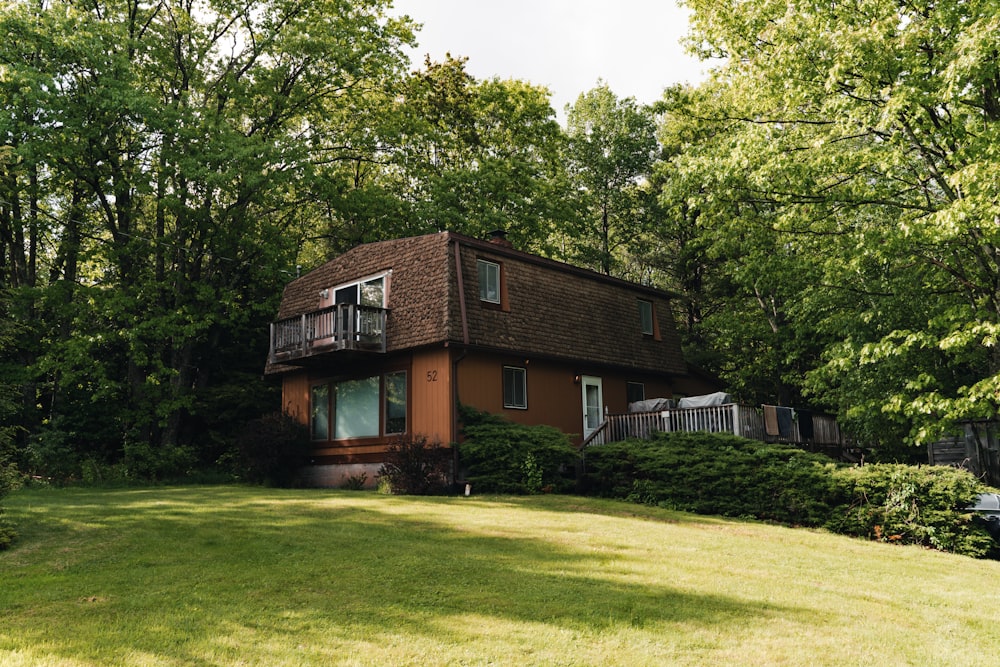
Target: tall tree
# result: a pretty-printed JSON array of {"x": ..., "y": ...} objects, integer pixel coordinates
[
  {"x": 162, "y": 151},
  {"x": 450, "y": 152},
  {"x": 869, "y": 130},
  {"x": 612, "y": 145},
  {"x": 739, "y": 279}
]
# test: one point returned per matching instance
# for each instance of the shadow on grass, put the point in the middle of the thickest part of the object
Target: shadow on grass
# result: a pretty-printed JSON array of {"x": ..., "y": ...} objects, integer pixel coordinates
[{"x": 168, "y": 571}]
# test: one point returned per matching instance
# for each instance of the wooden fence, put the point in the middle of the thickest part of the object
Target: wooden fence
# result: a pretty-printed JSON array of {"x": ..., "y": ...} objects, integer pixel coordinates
[
  {"x": 977, "y": 449},
  {"x": 741, "y": 420}
]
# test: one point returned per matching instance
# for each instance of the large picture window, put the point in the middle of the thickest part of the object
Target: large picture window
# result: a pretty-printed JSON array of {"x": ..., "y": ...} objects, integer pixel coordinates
[
  {"x": 515, "y": 387},
  {"x": 355, "y": 404},
  {"x": 359, "y": 408}
]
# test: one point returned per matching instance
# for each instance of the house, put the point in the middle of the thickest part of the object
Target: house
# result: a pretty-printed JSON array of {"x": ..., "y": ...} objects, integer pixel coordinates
[{"x": 391, "y": 337}]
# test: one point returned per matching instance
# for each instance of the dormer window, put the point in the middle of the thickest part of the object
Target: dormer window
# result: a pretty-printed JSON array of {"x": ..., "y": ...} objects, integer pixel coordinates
[
  {"x": 646, "y": 317},
  {"x": 489, "y": 281}
]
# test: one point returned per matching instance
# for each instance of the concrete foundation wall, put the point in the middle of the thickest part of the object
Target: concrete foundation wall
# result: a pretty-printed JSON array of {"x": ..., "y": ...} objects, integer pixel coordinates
[{"x": 337, "y": 475}]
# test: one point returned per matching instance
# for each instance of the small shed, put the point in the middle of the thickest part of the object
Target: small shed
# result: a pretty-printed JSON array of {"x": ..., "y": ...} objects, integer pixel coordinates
[{"x": 976, "y": 448}]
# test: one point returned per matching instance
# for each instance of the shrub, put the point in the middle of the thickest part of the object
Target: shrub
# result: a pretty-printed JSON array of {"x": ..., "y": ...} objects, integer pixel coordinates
[
  {"x": 51, "y": 453},
  {"x": 500, "y": 456},
  {"x": 9, "y": 480},
  {"x": 143, "y": 461},
  {"x": 271, "y": 450},
  {"x": 715, "y": 474},
  {"x": 725, "y": 475},
  {"x": 355, "y": 482},
  {"x": 413, "y": 466},
  {"x": 912, "y": 505}
]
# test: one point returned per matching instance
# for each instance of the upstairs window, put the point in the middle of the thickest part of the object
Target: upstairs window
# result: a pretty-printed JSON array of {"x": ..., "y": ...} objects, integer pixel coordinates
[
  {"x": 646, "y": 317},
  {"x": 370, "y": 292},
  {"x": 515, "y": 388},
  {"x": 489, "y": 281}
]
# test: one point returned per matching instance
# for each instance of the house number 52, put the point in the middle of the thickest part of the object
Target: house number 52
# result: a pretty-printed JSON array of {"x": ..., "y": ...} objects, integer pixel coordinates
[{"x": 432, "y": 376}]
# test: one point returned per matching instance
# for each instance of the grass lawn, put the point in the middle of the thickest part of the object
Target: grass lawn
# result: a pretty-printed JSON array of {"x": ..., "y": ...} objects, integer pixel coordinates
[{"x": 248, "y": 576}]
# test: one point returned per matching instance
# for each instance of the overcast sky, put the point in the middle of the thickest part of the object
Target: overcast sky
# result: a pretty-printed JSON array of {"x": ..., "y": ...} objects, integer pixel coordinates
[{"x": 566, "y": 45}]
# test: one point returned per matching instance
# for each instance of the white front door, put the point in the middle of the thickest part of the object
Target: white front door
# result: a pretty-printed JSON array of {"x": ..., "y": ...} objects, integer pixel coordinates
[{"x": 593, "y": 402}]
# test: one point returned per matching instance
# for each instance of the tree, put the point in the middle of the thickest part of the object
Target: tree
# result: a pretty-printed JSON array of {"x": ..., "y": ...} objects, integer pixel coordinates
[
  {"x": 155, "y": 156},
  {"x": 450, "y": 152},
  {"x": 869, "y": 130},
  {"x": 612, "y": 144},
  {"x": 738, "y": 279}
]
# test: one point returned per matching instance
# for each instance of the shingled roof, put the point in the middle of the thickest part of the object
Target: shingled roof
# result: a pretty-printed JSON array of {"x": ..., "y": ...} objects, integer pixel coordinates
[{"x": 556, "y": 310}]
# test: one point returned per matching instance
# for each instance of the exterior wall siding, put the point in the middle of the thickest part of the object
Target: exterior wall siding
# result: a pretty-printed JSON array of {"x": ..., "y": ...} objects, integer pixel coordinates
[
  {"x": 295, "y": 396},
  {"x": 431, "y": 395},
  {"x": 554, "y": 392}
]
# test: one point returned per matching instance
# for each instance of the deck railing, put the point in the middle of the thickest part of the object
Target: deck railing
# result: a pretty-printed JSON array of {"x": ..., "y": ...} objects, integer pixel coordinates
[
  {"x": 341, "y": 327},
  {"x": 740, "y": 420}
]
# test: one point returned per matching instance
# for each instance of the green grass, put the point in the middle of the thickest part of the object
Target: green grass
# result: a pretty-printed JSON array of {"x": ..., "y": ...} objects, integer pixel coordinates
[{"x": 247, "y": 576}]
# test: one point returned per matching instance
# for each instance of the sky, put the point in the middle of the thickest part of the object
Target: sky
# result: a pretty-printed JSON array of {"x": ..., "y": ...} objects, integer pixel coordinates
[{"x": 565, "y": 45}]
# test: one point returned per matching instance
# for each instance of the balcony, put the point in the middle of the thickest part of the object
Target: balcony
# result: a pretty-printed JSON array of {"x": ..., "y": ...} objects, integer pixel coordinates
[{"x": 341, "y": 327}]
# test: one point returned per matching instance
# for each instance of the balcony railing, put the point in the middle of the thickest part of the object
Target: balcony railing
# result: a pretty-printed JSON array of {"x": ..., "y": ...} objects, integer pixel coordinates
[
  {"x": 341, "y": 327},
  {"x": 740, "y": 420}
]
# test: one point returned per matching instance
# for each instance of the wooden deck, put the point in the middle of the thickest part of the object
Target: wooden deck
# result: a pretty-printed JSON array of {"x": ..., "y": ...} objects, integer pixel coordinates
[{"x": 740, "y": 420}]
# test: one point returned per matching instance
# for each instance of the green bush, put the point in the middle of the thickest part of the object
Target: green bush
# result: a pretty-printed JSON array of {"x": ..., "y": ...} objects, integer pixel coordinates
[
  {"x": 271, "y": 450},
  {"x": 146, "y": 462},
  {"x": 414, "y": 466},
  {"x": 50, "y": 453},
  {"x": 9, "y": 480},
  {"x": 729, "y": 476},
  {"x": 719, "y": 474},
  {"x": 912, "y": 505},
  {"x": 499, "y": 456}
]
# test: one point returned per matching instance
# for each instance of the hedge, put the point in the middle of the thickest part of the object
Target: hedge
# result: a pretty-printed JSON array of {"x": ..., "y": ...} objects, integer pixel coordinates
[{"x": 730, "y": 476}]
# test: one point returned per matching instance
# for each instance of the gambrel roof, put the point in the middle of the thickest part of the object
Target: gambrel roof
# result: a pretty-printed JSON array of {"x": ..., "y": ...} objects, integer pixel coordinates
[{"x": 550, "y": 309}]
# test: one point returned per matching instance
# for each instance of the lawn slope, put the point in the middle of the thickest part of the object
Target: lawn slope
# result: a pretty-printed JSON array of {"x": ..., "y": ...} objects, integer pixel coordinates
[{"x": 247, "y": 576}]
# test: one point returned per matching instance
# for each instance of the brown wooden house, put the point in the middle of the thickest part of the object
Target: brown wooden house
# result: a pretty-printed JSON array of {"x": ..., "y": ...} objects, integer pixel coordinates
[{"x": 391, "y": 337}]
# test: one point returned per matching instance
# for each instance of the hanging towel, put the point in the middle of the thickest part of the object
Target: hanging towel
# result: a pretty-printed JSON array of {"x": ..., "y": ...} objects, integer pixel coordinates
[
  {"x": 784, "y": 422},
  {"x": 770, "y": 419},
  {"x": 805, "y": 424}
]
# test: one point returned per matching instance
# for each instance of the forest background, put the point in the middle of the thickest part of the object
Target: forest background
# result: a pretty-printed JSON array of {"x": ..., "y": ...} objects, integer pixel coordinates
[{"x": 824, "y": 206}]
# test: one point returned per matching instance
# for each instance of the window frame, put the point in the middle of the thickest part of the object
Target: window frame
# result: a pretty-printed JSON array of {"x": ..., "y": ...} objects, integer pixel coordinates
[
  {"x": 326, "y": 410},
  {"x": 646, "y": 306},
  {"x": 518, "y": 379},
  {"x": 327, "y": 390},
  {"x": 484, "y": 289},
  {"x": 629, "y": 385},
  {"x": 356, "y": 284},
  {"x": 385, "y": 402}
]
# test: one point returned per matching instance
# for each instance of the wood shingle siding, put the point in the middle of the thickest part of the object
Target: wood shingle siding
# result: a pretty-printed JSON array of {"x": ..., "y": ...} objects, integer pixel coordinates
[{"x": 553, "y": 309}]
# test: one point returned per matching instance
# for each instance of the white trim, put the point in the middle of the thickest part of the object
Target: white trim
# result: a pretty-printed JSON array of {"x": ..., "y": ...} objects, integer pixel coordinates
[
  {"x": 591, "y": 381},
  {"x": 488, "y": 263},
  {"x": 524, "y": 387}
]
